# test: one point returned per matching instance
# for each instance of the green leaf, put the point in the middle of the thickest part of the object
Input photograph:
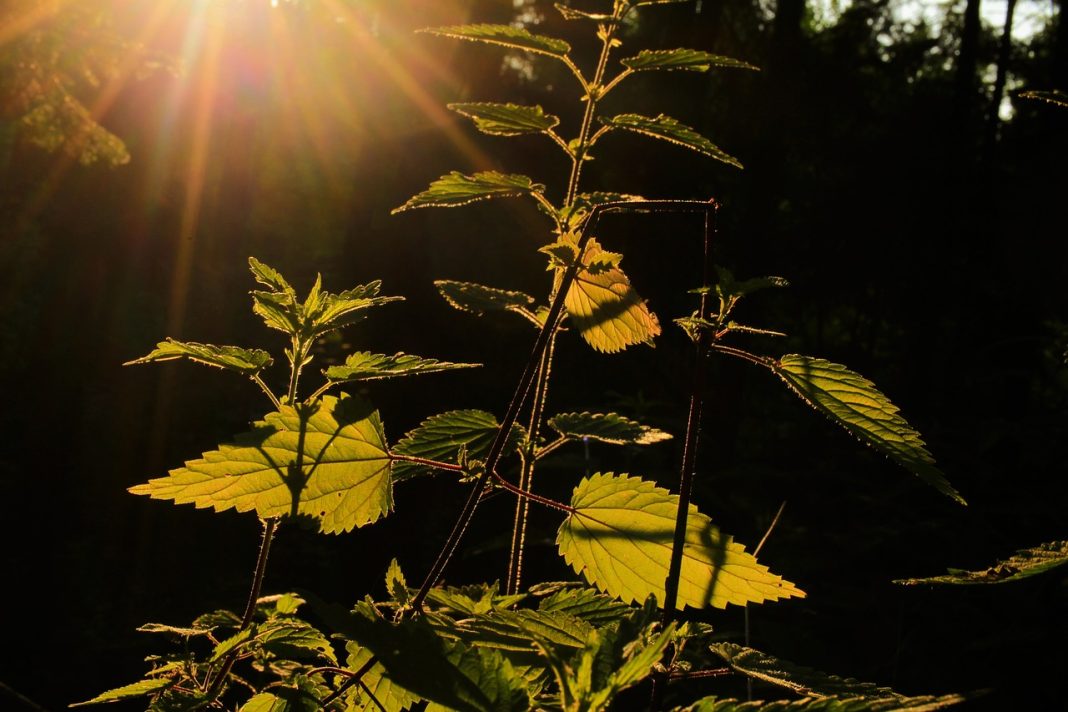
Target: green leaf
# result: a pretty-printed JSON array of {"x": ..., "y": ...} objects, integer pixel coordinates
[
  {"x": 396, "y": 583},
  {"x": 270, "y": 277},
  {"x": 283, "y": 604},
  {"x": 573, "y": 215},
  {"x": 474, "y": 599},
  {"x": 279, "y": 310},
  {"x": 605, "y": 308},
  {"x": 232, "y": 358},
  {"x": 392, "y": 696},
  {"x": 327, "y": 312},
  {"x": 857, "y": 405},
  {"x": 173, "y": 630},
  {"x": 440, "y": 437},
  {"x": 925, "y": 703},
  {"x": 586, "y": 604},
  {"x": 136, "y": 689},
  {"x": 327, "y": 460},
  {"x": 457, "y": 189},
  {"x": 366, "y": 366},
  {"x": 607, "y": 428},
  {"x": 283, "y": 699},
  {"x": 570, "y": 13},
  {"x": 478, "y": 299},
  {"x": 799, "y": 679},
  {"x": 289, "y": 638},
  {"x": 688, "y": 59},
  {"x": 447, "y": 672},
  {"x": 505, "y": 36},
  {"x": 506, "y": 119},
  {"x": 232, "y": 643},
  {"x": 620, "y": 536},
  {"x": 1023, "y": 564},
  {"x": 668, "y": 129}
]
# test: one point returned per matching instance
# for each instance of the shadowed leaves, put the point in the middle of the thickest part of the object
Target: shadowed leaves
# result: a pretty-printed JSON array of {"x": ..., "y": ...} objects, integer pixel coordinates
[
  {"x": 687, "y": 59},
  {"x": 442, "y": 436},
  {"x": 1023, "y": 564}
]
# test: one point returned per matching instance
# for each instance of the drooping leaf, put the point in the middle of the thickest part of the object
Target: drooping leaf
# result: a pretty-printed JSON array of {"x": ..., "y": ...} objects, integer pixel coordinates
[
  {"x": 669, "y": 129},
  {"x": 441, "y": 437},
  {"x": 797, "y": 678},
  {"x": 447, "y": 672},
  {"x": 366, "y": 366},
  {"x": 293, "y": 638},
  {"x": 393, "y": 697},
  {"x": 925, "y": 703},
  {"x": 1023, "y": 564},
  {"x": 857, "y": 405},
  {"x": 327, "y": 460},
  {"x": 506, "y": 119},
  {"x": 478, "y": 299},
  {"x": 135, "y": 689},
  {"x": 232, "y": 358},
  {"x": 457, "y": 189},
  {"x": 587, "y": 604},
  {"x": 604, "y": 307},
  {"x": 607, "y": 428},
  {"x": 688, "y": 59},
  {"x": 505, "y": 36},
  {"x": 620, "y": 536}
]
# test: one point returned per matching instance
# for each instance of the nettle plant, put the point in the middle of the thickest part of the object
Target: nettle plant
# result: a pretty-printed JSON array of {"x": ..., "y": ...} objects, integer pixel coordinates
[{"x": 644, "y": 553}]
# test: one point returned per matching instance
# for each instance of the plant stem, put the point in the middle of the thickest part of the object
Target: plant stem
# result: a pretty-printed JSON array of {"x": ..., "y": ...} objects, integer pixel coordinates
[
  {"x": 263, "y": 386},
  {"x": 451, "y": 467},
  {"x": 269, "y": 527},
  {"x": 689, "y": 459}
]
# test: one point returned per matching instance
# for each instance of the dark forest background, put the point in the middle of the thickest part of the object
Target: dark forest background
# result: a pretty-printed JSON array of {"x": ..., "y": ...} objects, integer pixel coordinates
[{"x": 894, "y": 175}]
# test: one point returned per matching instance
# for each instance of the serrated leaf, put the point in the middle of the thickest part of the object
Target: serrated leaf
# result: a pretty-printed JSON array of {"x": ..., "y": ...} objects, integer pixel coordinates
[
  {"x": 447, "y": 672},
  {"x": 620, "y": 536},
  {"x": 478, "y": 299},
  {"x": 573, "y": 215},
  {"x": 396, "y": 584},
  {"x": 269, "y": 277},
  {"x": 505, "y": 36},
  {"x": 668, "y": 129},
  {"x": 857, "y": 405},
  {"x": 570, "y": 13},
  {"x": 441, "y": 436},
  {"x": 473, "y": 599},
  {"x": 281, "y": 604},
  {"x": 686, "y": 59},
  {"x": 327, "y": 460},
  {"x": 925, "y": 703},
  {"x": 328, "y": 312},
  {"x": 173, "y": 630},
  {"x": 587, "y": 604},
  {"x": 367, "y": 366},
  {"x": 604, "y": 307},
  {"x": 456, "y": 189},
  {"x": 1023, "y": 564},
  {"x": 607, "y": 428},
  {"x": 506, "y": 119},
  {"x": 393, "y": 697},
  {"x": 233, "y": 642},
  {"x": 232, "y": 358},
  {"x": 797, "y": 678},
  {"x": 135, "y": 689},
  {"x": 291, "y": 637},
  {"x": 282, "y": 699},
  {"x": 1055, "y": 97},
  {"x": 279, "y": 310}
]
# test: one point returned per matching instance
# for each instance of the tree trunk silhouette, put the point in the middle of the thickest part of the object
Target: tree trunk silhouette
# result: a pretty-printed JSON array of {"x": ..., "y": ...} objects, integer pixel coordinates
[
  {"x": 966, "y": 83},
  {"x": 993, "y": 119}
]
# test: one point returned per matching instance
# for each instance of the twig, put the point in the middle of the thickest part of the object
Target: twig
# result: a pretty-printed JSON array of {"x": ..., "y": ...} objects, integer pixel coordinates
[{"x": 763, "y": 540}]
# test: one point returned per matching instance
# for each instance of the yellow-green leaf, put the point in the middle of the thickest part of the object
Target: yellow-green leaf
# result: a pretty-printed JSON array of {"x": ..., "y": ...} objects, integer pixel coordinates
[
  {"x": 857, "y": 405},
  {"x": 1023, "y": 564},
  {"x": 505, "y": 36},
  {"x": 506, "y": 119},
  {"x": 688, "y": 59},
  {"x": 328, "y": 461},
  {"x": 668, "y": 129},
  {"x": 605, "y": 308},
  {"x": 135, "y": 689},
  {"x": 620, "y": 536},
  {"x": 456, "y": 189},
  {"x": 607, "y": 428},
  {"x": 232, "y": 358},
  {"x": 923, "y": 703},
  {"x": 366, "y": 366}
]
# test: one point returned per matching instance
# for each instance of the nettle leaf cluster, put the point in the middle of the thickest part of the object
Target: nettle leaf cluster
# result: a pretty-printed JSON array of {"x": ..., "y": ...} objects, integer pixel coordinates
[{"x": 644, "y": 552}]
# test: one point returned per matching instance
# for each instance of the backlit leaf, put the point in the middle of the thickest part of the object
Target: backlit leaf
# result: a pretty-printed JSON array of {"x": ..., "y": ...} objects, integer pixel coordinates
[
  {"x": 668, "y": 129},
  {"x": 799, "y": 679},
  {"x": 925, "y": 703},
  {"x": 393, "y": 697},
  {"x": 269, "y": 277},
  {"x": 366, "y": 366},
  {"x": 441, "y": 436},
  {"x": 606, "y": 309},
  {"x": 506, "y": 119},
  {"x": 479, "y": 299},
  {"x": 396, "y": 584},
  {"x": 505, "y": 36},
  {"x": 1055, "y": 97},
  {"x": 231, "y": 358},
  {"x": 620, "y": 537},
  {"x": 328, "y": 461},
  {"x": 173, "y": 630},
  {"x": 136, "y": 689},
  {"x": 328, "y": 312},
  {"x": 586, "y": 604},
  {"x": 606, "y": 427},
  {"x": 1023, "y": 564},
  {"x": 457, "y": 189},
  {"x": 857, "y": 405},
  {"x": 570, "y": 13},
  {"x": 573, "y": 215},
  {"x": 293, "y": 638},
  {"x": 689, "y": 59}
]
